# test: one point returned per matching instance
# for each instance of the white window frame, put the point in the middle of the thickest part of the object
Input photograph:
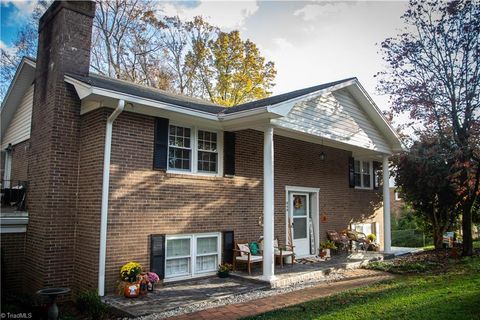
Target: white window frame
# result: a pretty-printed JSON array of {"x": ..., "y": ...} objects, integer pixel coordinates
[
  {"x": 397, "y": 196},
  {"x": 362, "y": 184},
  {"x": 178, "y": 257},
  {"x": 183, "y": 148},
  {"x": 364, "y": 226},
  {"x": 193, "y": 255},
  {"x": 194, "y": 151}
]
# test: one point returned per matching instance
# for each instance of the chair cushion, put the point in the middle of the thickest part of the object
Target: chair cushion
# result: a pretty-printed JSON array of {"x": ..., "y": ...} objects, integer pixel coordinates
[
  {"x": 252, "y": 258},
  {"x": 284, "y": 253},
  {"x": 244, "y": 248}
]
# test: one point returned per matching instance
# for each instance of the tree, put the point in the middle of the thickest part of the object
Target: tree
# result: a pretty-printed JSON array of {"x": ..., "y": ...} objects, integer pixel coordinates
[
  {"x": 422, "y": 173},
  {"x": 240, "y": 74},
  {"x": 126, "y": 43},
  {"x": 434, "y": 74},
  {"x": 132, "y": 41},
  {"x": 25, "y": 44}
]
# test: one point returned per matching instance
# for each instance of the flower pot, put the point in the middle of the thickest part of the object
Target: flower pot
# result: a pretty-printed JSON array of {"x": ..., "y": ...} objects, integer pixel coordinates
[
  {"x": 223, "y": 274},
  {"x": 131, "y": 290},
  {"x": 288, "y": 259},
  {"x": 327, "y": 253}
]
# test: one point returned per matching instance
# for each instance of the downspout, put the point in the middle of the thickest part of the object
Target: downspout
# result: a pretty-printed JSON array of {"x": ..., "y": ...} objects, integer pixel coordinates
[{"x": 105, "y": 190}]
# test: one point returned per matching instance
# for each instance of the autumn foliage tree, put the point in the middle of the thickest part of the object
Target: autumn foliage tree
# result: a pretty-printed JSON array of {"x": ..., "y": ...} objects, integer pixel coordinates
[
  {"x": 422, "y": 174},
  {"x": 433, "y": 74},
  {"x": 133, "y": 41}
]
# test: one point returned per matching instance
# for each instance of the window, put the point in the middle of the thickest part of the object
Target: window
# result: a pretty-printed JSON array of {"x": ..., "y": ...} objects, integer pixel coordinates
[
  {"x": 193, "y": 150},
  {"x": 207, "y": 254},
  {"x": 397, "y": 196},
  {"x": 367, "y": 228},
  {"x": 191, "y": 255},
  {"x": 363, "y": 174},
  {"x": 179, "y": 148},
  {"x": 207, "y": 151},
  {"x": 178, "y": 257}
]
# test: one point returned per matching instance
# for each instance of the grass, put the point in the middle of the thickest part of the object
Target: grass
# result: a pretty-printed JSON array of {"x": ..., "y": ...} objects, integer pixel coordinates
[
  {"x": 476, "y": 245},
  {"x": 453, "y": 294}
]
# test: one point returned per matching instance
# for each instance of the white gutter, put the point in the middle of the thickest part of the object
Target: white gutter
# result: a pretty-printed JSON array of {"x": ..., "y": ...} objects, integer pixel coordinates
[{"x": 105, "y": 190}]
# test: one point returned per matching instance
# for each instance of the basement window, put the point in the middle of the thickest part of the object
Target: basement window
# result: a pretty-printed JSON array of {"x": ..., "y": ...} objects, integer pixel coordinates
[{"x": 192, "y": 255}]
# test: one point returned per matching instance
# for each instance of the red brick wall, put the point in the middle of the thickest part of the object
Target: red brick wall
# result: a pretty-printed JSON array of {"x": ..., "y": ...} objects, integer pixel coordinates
[
  {"x": 92, "y": 137},
  {"x": 145, "y": 201},
  {"x": 13, "y": 251},
  {"x": 63, "y": 47},
  {"x": 20, "y": 161}
]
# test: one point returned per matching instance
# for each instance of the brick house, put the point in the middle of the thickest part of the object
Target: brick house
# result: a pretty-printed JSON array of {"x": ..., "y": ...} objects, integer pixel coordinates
[{"x": 112, "y": 168}]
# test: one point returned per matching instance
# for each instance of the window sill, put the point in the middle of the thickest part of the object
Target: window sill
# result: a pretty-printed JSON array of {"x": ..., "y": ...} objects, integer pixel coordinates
[
  {"x": 193, "y": 174},
  {"x": 363, "y": 188}
]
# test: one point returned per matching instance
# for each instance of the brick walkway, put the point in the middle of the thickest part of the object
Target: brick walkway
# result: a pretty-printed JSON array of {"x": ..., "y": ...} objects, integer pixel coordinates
[{"x": 236, "y": 311}]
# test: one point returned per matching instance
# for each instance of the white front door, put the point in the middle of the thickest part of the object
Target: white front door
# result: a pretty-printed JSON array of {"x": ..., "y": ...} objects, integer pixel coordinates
[{"x": 299, "y": 213}]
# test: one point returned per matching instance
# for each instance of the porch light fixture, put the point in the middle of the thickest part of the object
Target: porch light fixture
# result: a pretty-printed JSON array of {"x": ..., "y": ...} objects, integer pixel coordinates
[
  {"x": 9, "y": 148},
  {"x": 323, "y": 156}
]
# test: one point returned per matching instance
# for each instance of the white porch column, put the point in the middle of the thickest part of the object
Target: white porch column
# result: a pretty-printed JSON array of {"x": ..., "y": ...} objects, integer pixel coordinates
[
  {"x": 387, "y": 238},
  {"x": 268, "y": 205}
]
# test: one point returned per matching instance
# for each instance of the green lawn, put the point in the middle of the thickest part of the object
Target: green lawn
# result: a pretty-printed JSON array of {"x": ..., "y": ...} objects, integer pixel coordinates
[{"x": 453, "y": 294}]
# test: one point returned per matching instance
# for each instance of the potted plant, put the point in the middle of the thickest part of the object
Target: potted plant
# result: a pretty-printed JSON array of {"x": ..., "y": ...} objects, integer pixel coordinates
[
  {"x": 152, "y": 279},
  {"x": 224, "y": 270},
  {"x": 372, "y": 246},
  {"x": 128, "y": 274},
  {"x": 326, "y": 248}
]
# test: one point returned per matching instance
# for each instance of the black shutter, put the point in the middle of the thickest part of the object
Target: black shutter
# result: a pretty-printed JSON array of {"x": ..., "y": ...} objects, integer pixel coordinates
[
  {"x": 229, "y": 153},
  {"x": 157, "y": 254},
  {"x": 351, "y": 172},
  {"x": 227, "y": 247},
  {"x": 376, "y": 174},
  {"x": 160, "y": 144}
]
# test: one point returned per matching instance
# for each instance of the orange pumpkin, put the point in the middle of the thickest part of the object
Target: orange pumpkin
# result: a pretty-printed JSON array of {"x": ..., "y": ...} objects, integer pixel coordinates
[{"x": 131, "y": 290}]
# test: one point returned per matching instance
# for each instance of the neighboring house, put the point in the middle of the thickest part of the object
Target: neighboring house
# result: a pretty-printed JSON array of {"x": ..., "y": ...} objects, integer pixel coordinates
[
  {"x": 396, "y": 202},
  {"x": 120, "y": 172}
]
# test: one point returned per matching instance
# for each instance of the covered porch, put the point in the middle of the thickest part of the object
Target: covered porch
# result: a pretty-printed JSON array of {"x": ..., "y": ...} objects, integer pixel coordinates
[
  {"x": 192, "y": 295},
  {"x": 298, "y": 223}
]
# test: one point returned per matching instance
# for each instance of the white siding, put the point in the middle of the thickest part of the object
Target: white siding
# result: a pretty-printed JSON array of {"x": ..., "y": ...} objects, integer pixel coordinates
[
  {"x": 335, "y": 116},
  {"x": 19, "y": 128}
]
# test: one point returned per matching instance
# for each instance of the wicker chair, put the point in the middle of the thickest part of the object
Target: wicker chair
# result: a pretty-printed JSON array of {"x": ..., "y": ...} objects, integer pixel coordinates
[
  {"x": 341, "y": 241},
  {"x": 359, "y": 238}
]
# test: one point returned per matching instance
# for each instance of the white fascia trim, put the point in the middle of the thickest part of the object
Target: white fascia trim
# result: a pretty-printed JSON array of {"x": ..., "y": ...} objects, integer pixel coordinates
[
  {"x": 83, "y": 89},
  {"x": 87, "y": 90},
  {"x": 242, "y": 114},
  {"x": 13, "y": 229},
  {"x": 14, "y": 221},
  {"x": 15, "y": 78}
]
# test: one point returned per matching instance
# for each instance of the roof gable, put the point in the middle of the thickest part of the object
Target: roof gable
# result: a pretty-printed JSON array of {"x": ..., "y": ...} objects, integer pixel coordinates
[{"x": 21, "y": 82}]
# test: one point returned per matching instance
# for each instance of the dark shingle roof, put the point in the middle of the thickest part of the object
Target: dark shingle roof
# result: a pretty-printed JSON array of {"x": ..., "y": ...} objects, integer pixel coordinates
[
  {"x": 282, "y": 97},
  {"x": 149, "y": 93},
  {"x": 193, "y": 103}
]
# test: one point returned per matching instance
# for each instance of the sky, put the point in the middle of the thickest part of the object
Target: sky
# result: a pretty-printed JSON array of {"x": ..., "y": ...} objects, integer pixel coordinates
[{"x": 310, "y": 42}]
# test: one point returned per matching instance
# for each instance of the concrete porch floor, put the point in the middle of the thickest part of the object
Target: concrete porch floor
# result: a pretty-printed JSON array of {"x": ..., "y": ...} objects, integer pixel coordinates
[
  {"x": 182, "y": 294},
  {"x": 299, "y": 272}
]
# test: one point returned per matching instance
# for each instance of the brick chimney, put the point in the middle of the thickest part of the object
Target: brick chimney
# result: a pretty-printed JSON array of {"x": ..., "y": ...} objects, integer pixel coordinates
[{"x": 63, "y": 47}]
